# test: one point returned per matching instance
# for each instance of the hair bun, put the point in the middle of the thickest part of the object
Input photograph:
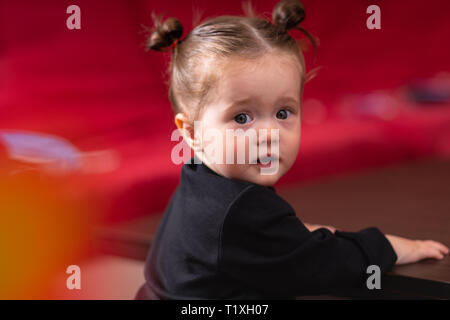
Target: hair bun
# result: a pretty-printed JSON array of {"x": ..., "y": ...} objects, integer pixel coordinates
[
  {"x": 288, "y": 14},
  {"x": 165, "y": 34}
]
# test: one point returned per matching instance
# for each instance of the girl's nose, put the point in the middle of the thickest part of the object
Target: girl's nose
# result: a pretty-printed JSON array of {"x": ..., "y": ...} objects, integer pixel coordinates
[{"x": 267, "y": 133}]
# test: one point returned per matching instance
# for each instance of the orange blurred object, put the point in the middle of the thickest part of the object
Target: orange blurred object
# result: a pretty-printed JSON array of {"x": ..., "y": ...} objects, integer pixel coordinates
[{"x": 43, "y": 230}]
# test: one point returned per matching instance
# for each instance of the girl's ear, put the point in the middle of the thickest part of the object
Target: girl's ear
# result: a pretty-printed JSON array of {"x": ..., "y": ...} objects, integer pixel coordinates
[{"x": 186, "y": 128}]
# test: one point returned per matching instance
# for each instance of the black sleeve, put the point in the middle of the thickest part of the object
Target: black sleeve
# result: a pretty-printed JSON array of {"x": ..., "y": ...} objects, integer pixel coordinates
[{"x": 265, "y": 245}]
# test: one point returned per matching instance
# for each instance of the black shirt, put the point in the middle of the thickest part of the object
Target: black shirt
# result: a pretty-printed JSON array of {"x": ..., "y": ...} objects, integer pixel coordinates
[{"x": 224, "y": 238}]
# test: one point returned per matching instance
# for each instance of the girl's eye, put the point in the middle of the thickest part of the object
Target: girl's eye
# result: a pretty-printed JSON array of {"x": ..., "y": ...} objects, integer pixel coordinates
[
  {"x": 283, "y": 114},
  {"x": 241, "y": 118}
]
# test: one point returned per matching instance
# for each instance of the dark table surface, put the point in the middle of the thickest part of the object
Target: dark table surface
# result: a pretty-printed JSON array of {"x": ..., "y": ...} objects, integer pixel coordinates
[{"x": 411, "y": 200}]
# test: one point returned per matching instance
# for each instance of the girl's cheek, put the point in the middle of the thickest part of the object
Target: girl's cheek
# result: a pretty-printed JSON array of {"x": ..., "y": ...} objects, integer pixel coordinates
[{"x": 291, "y": 123}]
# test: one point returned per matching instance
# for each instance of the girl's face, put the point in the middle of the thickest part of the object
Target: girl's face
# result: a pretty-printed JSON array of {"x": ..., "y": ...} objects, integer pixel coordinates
[{"x": 256, "y": 96}]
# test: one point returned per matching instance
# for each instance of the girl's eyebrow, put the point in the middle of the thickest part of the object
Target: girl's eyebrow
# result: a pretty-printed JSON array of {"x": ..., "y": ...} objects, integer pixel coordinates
[
  {"x": 247, "y": 101},
  {"x": 289, "y": 99},
  {"x": 239, "y": 103}
]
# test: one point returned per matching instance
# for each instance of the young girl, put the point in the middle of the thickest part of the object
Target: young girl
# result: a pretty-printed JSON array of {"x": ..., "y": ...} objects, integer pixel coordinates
[{"x": 226, "y": 234}]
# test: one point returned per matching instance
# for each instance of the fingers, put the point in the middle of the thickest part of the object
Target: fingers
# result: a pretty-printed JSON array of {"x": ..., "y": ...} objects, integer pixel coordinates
[
  {"x": 439, "y": 246},
  {"x": 313, "y": 227},
  {"x": 332, "y": 229},
  {"x": 430, "y": 251},
  {"x": 436, "y": 254},
  {"x": 434, "y": 249}
]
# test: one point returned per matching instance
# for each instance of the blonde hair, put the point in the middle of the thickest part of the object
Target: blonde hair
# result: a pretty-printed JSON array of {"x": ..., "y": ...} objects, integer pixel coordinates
[{"x": 191, "y": 71}]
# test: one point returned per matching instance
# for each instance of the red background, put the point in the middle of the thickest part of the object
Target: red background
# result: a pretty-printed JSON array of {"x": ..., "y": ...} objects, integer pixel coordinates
[{"x": 99, "y": 89}]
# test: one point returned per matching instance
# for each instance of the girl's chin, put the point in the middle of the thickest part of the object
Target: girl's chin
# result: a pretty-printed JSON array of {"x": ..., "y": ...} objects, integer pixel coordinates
[
  {"x": 263, "y": 175},
  {"x": 266, "y": 180}
]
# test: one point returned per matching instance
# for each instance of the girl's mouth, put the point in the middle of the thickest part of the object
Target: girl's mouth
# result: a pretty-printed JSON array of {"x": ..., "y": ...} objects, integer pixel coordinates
[{"x": 265, "y": 162}]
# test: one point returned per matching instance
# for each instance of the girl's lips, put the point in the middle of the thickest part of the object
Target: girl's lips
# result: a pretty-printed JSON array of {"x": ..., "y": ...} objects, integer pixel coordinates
[
  {"x": 266, "y": 164},
  {"x": 260, "y": 165}
]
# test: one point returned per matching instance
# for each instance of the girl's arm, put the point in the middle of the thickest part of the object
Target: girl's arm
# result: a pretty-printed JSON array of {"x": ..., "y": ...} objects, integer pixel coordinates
[{"x": 407, "y": 250}]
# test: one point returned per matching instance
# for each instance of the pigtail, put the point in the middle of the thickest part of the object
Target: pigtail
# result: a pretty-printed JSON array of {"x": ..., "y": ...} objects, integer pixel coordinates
[
  {"x": 164, "y": 35},
  {"x": 287, "y": 15}
]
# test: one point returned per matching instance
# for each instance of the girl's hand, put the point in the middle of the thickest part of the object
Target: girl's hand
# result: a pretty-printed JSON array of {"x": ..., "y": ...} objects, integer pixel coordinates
[
  {"x": 312, "y": 227},
  {"x": 409, "y": 251}
]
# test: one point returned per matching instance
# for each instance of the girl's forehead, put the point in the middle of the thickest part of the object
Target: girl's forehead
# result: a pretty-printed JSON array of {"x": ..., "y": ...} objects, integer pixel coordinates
[
  {"x": 264, "y": 75},
  {"x": 265, "y": 61}
]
